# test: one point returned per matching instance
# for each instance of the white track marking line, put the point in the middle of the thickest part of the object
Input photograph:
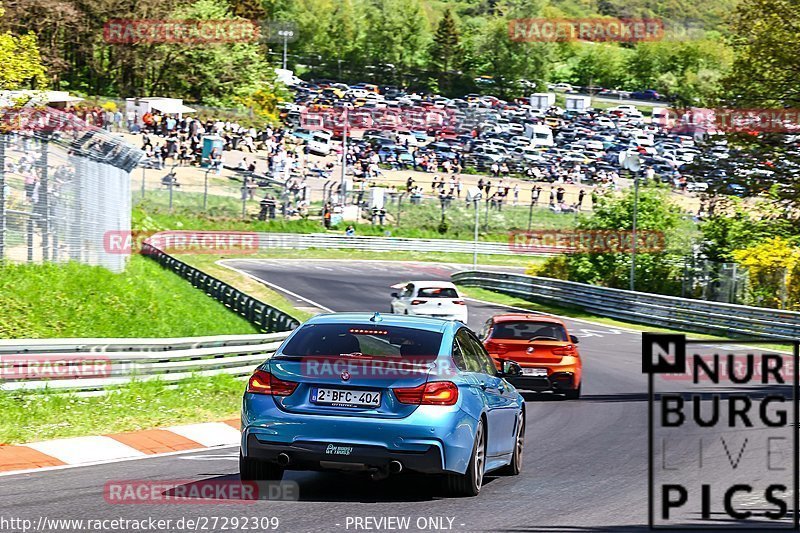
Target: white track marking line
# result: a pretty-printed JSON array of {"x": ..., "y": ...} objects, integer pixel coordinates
[
  {"x": 209, "y": 434},
  {"x": 81, "y": 450},
  {"x": 273, "y": 286},
  {"x": 95, "y": 463}
]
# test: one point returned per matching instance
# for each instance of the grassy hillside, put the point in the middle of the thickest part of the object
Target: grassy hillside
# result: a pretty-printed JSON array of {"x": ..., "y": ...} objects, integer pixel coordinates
[{"x": 41, "y": 301}]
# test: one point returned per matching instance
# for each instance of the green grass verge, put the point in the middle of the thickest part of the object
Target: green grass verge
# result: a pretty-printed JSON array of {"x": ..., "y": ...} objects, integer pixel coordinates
[
  {"x": 416, "y": 221},
  {"x": 363, "y": 255},
  {"x": 140, "y": 405},
  {"x": 74, "y": 300},
  {"x": 571, "y": 312}
]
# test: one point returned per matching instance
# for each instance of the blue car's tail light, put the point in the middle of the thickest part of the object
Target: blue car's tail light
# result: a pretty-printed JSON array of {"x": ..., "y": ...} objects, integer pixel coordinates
[
  {"x": 431, "y": 393},
  {"x": 262, "y": 382}
]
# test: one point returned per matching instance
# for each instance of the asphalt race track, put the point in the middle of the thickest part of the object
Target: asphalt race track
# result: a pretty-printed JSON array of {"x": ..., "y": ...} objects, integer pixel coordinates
[{"x": 585, "y": 465}]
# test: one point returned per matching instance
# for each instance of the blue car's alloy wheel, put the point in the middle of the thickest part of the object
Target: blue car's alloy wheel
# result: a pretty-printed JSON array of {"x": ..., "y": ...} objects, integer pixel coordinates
[
  {"x": 469, "y": 483},
  {"x": 515, "y": 466}
]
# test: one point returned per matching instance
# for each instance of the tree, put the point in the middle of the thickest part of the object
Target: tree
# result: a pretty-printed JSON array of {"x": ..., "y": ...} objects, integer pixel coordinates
[
  {"x": 655, "y": 272},
  {"x": 248, "y": 9},
  {"x": 214, "y": 73},
  {"x": 509, "y": 61},
  {"x": 766, "y": 38},
  {"x": 773, "y": 268},
  {"x": 445, "y": 52},
  {"x": 20, "y": 62},
  {"x": 600, "y": 65}
]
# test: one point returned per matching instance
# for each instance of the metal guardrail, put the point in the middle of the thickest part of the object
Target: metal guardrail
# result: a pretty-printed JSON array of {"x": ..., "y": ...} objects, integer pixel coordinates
[
  {"x": 107, "y": 344},
  {"x": 258, "y": 313},
  {"x": 65, "y": 366},
  {"x": 644, "y": 308},
  {"x": 386, "y": 244}
]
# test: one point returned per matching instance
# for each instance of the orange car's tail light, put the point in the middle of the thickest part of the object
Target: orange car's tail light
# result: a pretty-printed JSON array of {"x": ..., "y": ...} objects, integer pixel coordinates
[
  {"x": 431, "y": 393},
  {"x": 262, "y": 382},
  {"x": 569, "y": 349}
]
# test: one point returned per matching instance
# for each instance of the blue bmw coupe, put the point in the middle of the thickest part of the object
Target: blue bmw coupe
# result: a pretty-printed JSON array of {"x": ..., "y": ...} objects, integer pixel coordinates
[{"x": 383, "y": 395}]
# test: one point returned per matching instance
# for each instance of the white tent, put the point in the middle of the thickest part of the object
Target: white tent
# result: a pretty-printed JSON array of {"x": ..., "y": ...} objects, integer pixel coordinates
[
  {"x": 49, "y": 98},
  {"x": 170, "y": 106}
]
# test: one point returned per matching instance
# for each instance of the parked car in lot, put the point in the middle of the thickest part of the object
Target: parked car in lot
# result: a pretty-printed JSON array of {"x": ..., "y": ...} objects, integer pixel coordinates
[
  {"x": 383, "y": 395},
  {"x": 542, "y": 346},
  {"x": 649, "y": 94},
  {"x": 695, "y": 185},
  {"x": 563, "y": 87},
  {"x": 302, "y": 134},
  {"x": 320, "y": 142}
]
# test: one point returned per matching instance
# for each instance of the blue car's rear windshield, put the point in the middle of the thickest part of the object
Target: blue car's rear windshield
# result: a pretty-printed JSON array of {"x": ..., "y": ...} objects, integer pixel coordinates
[{"x": 369, "y": 340}]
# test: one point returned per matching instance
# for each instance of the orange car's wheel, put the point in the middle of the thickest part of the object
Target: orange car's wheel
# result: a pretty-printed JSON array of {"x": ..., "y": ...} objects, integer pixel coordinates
[{"x": 573, "y": 394}]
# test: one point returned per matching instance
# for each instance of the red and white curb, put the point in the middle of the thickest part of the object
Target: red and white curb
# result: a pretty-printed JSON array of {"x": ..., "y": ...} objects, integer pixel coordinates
[{"x": 76, "y": 451}]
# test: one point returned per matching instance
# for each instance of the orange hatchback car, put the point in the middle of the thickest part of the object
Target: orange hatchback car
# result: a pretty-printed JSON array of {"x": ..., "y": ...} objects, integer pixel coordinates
[{"x": 542, "y": 346}]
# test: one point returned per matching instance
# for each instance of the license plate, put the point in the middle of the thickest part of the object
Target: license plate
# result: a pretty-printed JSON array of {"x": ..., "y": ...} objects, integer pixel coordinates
[
  {"x": 345, "y": 398},
  {"x": 535, "y": 372}
]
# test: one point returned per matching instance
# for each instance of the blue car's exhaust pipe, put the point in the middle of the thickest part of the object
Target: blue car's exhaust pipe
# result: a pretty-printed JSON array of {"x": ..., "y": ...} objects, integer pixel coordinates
[
  {"x": 395, "y": 467},
  {"x": 284, "y": 459}
]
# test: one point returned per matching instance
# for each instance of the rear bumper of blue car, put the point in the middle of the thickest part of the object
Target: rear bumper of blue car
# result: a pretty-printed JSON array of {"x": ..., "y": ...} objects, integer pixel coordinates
[
  {"x": 319, "y": 455},
  {"x": 432, "y": 439}
]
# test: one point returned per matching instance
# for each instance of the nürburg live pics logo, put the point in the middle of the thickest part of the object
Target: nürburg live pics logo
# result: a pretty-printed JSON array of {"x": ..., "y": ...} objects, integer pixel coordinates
[{"x": 722, "y": 433}]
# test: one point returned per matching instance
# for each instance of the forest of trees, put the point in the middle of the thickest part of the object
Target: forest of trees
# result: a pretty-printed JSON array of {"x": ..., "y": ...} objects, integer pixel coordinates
[
  {"x": 712, "y": 51},
  {"x": 423, "y": 44}
]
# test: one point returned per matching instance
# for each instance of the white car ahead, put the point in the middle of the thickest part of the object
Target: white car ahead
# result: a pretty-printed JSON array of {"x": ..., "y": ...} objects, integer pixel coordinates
[{"x": 438, "y": 299}]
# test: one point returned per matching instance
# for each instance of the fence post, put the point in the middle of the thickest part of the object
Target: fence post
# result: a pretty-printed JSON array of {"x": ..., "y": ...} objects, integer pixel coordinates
[
  {"x": 399, "y": 207},
  {"x": 2, "y": 195},
  {"x": 45, "y": 200},
  {"x": 244, "y": 197},
  {"x": 30, "y": 238},
  {"x": 171, "y": 186},
  {"x": 205, "y": 189}
]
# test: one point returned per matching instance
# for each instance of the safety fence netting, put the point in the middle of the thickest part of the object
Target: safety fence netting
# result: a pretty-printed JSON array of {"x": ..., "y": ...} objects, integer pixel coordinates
[{"x": 64, "y": 188}]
